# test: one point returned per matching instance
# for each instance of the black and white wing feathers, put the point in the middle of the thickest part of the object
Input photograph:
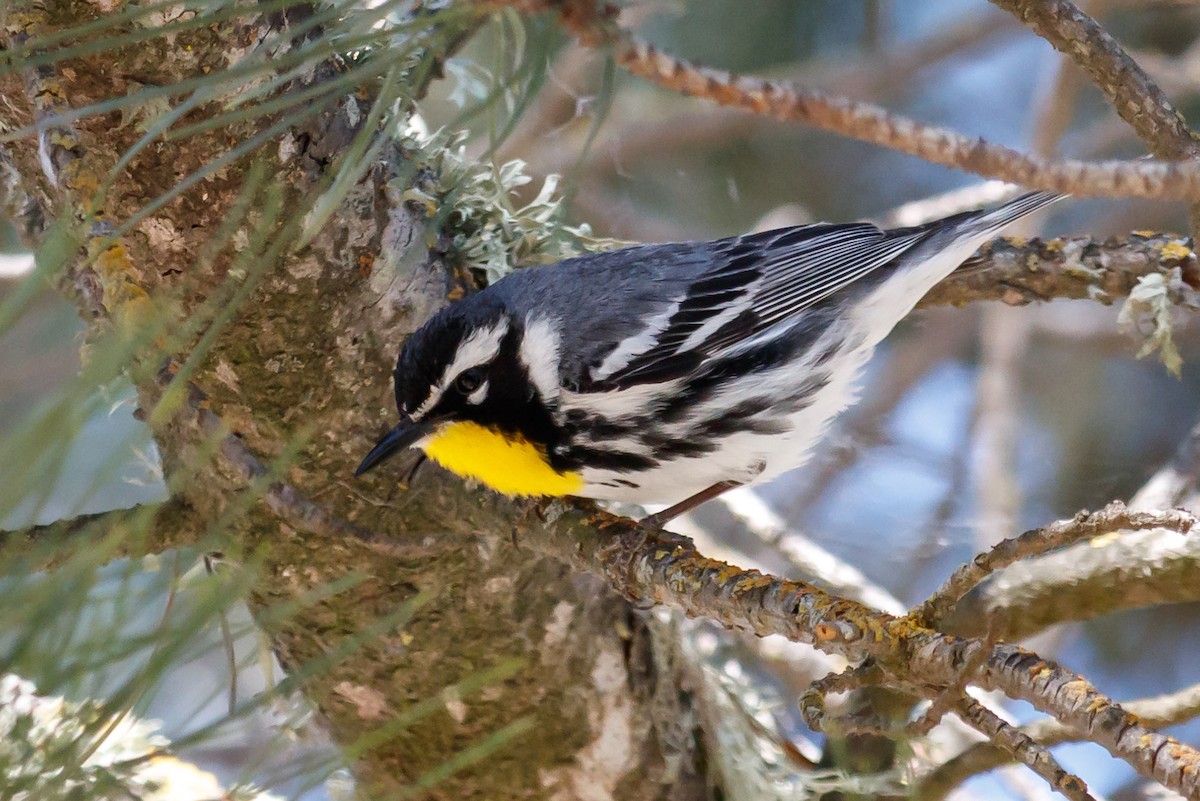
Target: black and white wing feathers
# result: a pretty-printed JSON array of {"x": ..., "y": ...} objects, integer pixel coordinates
[{"x": 756, "y": 282}]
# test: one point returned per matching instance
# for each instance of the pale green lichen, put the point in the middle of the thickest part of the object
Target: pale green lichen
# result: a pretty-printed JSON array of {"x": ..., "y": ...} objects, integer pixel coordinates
[
  {"x": 41, "y": 735},
  {"x": 1073, "y": 263},
  {"x": 53, "y": 749},
  {"x": 1147, "y": 312},
  {"x": 485, "y": 228}
]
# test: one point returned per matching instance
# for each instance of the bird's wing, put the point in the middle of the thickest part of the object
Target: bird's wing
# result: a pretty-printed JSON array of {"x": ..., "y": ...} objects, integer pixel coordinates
[{"x": 753, "y": 283}]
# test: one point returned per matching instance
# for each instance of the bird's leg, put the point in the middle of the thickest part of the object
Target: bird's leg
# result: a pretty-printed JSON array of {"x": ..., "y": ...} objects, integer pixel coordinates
[
  {"x": 536, "y": 506},
  {"x": 657, "y": 520}
]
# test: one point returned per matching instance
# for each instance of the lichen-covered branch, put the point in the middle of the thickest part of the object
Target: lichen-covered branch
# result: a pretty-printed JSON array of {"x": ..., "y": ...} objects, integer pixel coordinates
[
  {"x": 665, "y": 569},
  {"x": 1020, "y": 271},
  {"x": 1020, "y": 746},
  {"x": 1070, "y": 699},
  {"x": 1157, "y": 712}
]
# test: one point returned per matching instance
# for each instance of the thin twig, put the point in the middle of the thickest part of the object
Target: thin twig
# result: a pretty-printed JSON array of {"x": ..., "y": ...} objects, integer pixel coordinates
[
  {"x": 689, "y": 128},
  {"x": 1023, "y": 748},
  {"x": 1085, "y": 525},
  {"x": 812, "y": 700},
  {"x": 1133, "y": 95},
  {"x": 934, "y": 144},
  {"x": 1131, "y": 92},
  {"x": 1156, "y": 712},
  {"x": 1136, "y": 570},
  {"x": 595, "y": 26}
]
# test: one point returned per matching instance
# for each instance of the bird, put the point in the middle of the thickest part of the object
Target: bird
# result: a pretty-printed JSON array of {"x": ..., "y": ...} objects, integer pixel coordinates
[{"x": 668, "y": 373}]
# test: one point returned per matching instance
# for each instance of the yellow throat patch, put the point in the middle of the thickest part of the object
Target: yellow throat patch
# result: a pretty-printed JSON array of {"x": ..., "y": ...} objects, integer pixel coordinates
[{"x": 512, "y": 465}]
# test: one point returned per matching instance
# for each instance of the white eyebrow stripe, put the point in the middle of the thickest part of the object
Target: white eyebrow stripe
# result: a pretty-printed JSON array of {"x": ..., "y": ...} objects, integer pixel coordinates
[{"x": 479, "y": 348}]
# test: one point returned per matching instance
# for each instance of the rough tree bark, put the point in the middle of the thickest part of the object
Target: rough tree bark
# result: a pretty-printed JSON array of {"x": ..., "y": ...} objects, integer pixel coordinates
[{"x": 313, "y": 350}]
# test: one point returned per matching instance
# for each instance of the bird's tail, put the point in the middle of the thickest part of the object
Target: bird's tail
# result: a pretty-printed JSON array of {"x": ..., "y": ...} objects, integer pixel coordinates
[
  {"x": 948, "y": 244},
  {"x": 996, "y": 218}
]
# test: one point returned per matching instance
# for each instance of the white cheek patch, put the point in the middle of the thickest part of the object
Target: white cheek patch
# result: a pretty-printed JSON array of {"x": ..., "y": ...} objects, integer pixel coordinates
[
  {"x": 478, "y": 395},
  {"x": 539, "y": 354},
  {"x": 478, "y": 349}
]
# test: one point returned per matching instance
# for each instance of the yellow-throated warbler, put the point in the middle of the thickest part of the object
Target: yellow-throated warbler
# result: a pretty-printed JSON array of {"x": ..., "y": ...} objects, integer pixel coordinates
[{"x": 667, "y": 373}]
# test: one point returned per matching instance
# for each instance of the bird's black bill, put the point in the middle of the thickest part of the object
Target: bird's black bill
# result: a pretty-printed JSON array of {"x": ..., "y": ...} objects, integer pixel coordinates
[{"x": 399, "y": 438}]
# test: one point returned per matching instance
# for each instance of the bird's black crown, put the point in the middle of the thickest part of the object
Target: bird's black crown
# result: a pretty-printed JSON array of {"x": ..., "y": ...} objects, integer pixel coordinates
[{"x": 427, "y": 353}]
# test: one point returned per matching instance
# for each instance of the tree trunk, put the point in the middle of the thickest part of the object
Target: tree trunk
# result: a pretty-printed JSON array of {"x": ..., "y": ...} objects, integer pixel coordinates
[{"x": 310, "y": 353}]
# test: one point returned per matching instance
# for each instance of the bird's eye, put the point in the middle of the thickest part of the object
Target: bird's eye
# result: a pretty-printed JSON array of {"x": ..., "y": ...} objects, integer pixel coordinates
[{"x": 469, "y": 380}]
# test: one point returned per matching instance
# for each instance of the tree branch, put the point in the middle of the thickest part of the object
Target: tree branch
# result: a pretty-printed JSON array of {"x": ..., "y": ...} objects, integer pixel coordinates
[
  {"x": 690, "y": 127},
  {"x": 781, "y": 100},
  {"x": 1137, "y": 569},
  {"x": 662, "y": 568},
  {"x": 1020, "y": 271},
  {"x": 1019, "y": 745},
  {"x": 1085, "y": 525},
  {"x": 1157, "y": 712},
  {"x": 1131, "y": 92}
]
